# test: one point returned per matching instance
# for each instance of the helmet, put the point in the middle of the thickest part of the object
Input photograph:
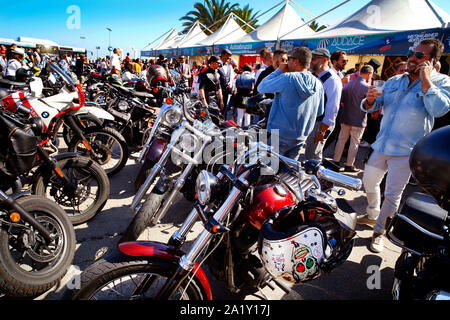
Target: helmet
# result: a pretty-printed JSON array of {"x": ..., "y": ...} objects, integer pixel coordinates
[
  {"x": 141, "y": 85},
  {"x": 21, "y": 75},
  {"x": 115, "y": 79},
  {"x": 18, "y": 51},
  {"x": 156, "y": 73},
  {"x": 291, "y": 248},
  {"x": 430, "y": 165}
]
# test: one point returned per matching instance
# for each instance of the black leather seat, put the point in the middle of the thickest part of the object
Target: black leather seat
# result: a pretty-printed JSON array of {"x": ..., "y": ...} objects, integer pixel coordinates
[
  {"x": 5, "y": 83},
  {"x": 424, "y": 211}
]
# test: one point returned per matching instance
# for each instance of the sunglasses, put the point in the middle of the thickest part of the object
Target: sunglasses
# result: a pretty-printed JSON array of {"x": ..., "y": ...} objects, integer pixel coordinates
[{"x": 419, "y": 55}]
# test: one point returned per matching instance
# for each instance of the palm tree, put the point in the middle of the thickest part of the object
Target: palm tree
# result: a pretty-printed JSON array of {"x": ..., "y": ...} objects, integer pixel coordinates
[
  {"x": 247, "y": 15},
  {"x": 315, "y": 26},
  {"x": 208, "y": 13}
]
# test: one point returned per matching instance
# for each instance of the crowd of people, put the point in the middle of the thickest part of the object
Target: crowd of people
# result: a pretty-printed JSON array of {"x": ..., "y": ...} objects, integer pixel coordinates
[{"x": 317, "y": 102}]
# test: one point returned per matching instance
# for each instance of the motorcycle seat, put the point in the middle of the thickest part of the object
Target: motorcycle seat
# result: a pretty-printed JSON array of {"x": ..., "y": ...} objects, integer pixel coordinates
[
  {"x": 423, "y": 210},
  {"x": 8, "y": 83},
  {"x": 141, "y": 94}
]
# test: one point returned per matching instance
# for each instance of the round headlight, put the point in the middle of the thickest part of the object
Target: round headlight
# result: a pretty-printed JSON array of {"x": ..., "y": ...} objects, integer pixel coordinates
[
  {"x": 122, "y": 105},
  {"x": 173, "y": 116},
  {"x": 189, "y": 142},
  {"x": 204, "y": 186}
]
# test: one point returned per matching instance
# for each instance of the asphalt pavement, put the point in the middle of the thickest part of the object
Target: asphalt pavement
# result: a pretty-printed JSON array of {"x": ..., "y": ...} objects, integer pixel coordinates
[{"x": 365, "y": 275}]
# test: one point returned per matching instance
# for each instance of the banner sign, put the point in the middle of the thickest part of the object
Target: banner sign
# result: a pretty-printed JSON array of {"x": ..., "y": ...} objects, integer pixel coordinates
[{"x": 393, "y": 43}]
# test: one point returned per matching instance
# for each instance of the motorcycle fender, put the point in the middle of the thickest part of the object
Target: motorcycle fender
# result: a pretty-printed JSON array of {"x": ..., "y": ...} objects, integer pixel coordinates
[
  {"x": 98, "y": 112},
  {"x": 156, "y": 150},
  {"x": 163, "y": 251}
]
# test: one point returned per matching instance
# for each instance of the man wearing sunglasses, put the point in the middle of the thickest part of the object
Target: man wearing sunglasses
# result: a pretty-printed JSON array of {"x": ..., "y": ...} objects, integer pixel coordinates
[
  {"x": 411, "y": 102},
  {"x": 299, "y": 99}
]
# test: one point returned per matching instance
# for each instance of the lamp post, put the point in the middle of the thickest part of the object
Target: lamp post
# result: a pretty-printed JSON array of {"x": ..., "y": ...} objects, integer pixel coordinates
[{"x": 109, "y": 41}]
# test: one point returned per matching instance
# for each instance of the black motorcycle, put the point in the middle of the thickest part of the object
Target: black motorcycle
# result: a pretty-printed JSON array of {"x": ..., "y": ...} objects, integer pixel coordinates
[{"x": 422, "y": 226}]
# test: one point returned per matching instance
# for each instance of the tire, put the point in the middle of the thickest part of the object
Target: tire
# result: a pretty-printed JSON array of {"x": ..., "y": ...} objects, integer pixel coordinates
[
  {"x": 143, "y": 217},
  {"x": 87, "y": 120},
  {"x": 97, "y": 277},
  {"x": 142, "y": 174},
  {"x": 87, "y": 174},
  {"x": 112, "y": 161},
  {"x": 17, "y": 282}
]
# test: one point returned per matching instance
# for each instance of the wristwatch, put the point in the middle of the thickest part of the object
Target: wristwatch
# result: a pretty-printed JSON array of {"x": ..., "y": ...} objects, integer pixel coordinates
[{"x": 321, "y": 133}]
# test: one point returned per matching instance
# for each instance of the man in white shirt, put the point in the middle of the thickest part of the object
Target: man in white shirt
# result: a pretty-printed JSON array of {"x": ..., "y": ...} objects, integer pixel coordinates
[
  {"x": 332, "y": 85},
  {"x": 339, "y": 61},
  {"x": 263, "y": 67},
  {"x": 227, "y": 75},
  {"x": 14, "y": 63},
  {"x": 114, "y": 62}
]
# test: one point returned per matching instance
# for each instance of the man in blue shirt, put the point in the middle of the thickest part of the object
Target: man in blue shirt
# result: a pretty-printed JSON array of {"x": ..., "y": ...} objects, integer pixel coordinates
[
  {"x": 411, "y": 102},
  {"x": 298, "y": 100}
]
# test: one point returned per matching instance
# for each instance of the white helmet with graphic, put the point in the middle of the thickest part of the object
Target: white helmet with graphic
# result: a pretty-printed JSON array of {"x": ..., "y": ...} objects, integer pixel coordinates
[{"x": 290, "y": 248}]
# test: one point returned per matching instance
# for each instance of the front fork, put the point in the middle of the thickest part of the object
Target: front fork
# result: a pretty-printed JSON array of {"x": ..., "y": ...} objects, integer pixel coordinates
[
  {"x": 155, "y": 170},
  {"x": 71, "y": 122},
  {"x": 53, "y": 164},
  {"x": 9, "y": 202},
  {"x": 181, "y": 180},
  {"x": 213, "y": 227}
]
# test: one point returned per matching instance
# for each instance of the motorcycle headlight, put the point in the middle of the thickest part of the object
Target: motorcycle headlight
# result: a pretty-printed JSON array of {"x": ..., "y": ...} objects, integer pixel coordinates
[
  {"x": 189, "y": 142},
  {"x": 205, "y": 185},
  {"x": 173, "y": 116},
  {"x": 122, "y": 105}
]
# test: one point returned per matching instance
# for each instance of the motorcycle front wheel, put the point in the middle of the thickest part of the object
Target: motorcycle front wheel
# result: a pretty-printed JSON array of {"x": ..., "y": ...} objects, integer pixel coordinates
[
  {"x": 92, "y": 188},
  {"x": 131, "y": 279},
  {"x": 144, "y": 216},
  {"x": 109, "y": 148},
  {"x": 28, "y": 265}
]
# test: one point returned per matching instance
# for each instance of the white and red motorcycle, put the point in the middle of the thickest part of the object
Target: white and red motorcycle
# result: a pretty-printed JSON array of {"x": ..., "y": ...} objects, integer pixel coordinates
[{"x": 104, "y": 145}]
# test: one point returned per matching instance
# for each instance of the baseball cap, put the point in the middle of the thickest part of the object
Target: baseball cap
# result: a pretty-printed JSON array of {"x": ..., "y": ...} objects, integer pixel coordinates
[{"x": 321, "y": 52}]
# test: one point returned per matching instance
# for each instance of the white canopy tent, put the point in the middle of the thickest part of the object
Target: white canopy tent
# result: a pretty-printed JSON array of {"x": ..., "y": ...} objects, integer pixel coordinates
[
  {"x": 168, "y": 41},
  {"x": 193, "y": 36},
  {"x": 285, "y": 20},
  {"x": 380, "y": 16},
  {"x": 229, "y": 32}
]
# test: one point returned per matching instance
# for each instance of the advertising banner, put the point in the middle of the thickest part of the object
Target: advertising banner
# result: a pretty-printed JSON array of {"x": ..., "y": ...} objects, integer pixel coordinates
[{"x": 394, "y": 43}]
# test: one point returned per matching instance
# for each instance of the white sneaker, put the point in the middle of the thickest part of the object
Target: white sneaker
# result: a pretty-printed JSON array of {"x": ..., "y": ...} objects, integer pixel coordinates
[{"x": 377, "y": 243}]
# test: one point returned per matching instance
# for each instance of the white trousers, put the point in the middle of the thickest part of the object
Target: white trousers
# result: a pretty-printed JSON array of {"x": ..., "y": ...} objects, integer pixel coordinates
[
  {"x": 243, "y": 119},
  {"x": 398, "y": 174}
]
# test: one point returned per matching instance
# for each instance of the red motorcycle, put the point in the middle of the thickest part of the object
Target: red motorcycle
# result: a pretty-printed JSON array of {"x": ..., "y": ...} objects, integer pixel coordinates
[{"x": 259, "y": 226}]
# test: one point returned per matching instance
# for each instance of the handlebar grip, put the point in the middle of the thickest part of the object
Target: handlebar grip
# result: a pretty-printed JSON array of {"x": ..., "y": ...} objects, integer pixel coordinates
[{"x": 343, "y": 180}]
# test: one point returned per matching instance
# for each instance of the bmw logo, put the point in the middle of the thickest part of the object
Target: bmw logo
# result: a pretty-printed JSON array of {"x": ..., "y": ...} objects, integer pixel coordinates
[{"x": 44, "y": 114}]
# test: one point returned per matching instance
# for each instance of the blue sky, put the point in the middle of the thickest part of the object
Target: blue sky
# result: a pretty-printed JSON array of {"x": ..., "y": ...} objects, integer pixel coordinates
[{"x": 133, "y": 23}]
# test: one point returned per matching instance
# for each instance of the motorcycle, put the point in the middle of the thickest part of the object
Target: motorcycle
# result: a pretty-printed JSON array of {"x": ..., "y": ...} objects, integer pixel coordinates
[
  {"x": 37, "y": 239},
  {"x": 76, "y": 183},
  {"x": 243, "y": 214},
  {"x": 104, "y": 145},
  {"x": 422, "y": 226},
  {"x": 188, "y": 136}
]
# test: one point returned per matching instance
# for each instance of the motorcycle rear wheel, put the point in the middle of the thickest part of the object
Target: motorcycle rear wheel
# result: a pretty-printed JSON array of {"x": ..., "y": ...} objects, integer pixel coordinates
[
  {"x": 28, "y": 272},
  {"x": 132, "y": 279},
  {"x": 109, "y": 147}
]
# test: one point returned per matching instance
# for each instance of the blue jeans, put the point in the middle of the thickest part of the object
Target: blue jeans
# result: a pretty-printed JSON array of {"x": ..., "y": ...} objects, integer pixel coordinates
[{"x": 287, "y": 147}]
